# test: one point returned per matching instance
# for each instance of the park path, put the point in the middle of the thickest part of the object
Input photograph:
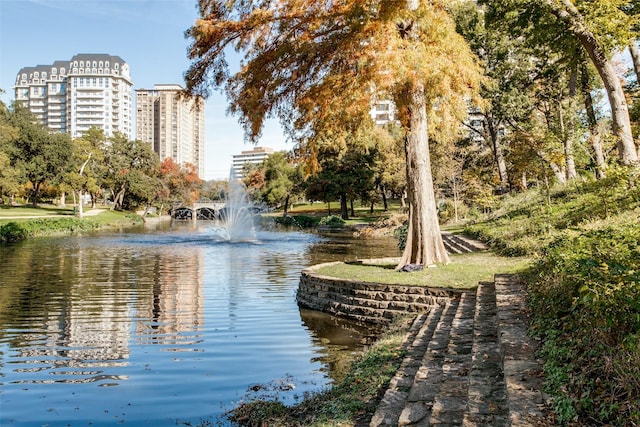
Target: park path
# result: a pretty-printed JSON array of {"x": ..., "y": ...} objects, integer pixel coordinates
[{"x": 469, "y": 362}]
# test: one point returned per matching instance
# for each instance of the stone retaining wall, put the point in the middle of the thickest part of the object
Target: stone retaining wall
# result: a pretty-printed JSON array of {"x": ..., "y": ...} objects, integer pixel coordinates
[{"x": 365, "y": 301}]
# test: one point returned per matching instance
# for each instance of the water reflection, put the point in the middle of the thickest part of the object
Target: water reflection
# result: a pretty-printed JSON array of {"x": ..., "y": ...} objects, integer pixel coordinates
[{"x": 179, "y": 323}]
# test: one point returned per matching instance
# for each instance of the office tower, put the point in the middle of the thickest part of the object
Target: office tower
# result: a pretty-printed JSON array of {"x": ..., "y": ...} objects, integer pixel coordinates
[
  {"x": 72, "y": 96},
  {"x": 172, "y": 124}
]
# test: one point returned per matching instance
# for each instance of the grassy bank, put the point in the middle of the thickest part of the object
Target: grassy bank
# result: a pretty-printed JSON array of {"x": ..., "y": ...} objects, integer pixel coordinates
[
  {"x": 19, "y": 223},
  {"x": 584, "y": 291},
  {"x": 463, "y": 272}
]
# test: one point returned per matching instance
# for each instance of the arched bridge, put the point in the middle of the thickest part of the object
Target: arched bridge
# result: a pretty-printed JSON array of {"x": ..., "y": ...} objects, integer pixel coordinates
[{"x": 204, "y": 209}]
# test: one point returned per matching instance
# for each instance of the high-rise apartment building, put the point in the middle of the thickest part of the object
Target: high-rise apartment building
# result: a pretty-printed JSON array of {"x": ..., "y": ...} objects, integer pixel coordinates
[
  {"x": 251, "y": 157},
  {"x": 72, "y": 96},
  {"x": 172, "y": 124}
]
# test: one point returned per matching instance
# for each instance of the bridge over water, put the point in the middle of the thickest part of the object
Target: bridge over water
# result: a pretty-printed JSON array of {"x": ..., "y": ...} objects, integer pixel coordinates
[{"x": 204, "y": 210}]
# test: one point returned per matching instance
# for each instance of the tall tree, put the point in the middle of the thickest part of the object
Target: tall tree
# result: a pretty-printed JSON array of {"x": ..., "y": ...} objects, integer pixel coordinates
[
  {"x": 306, "y": 60},
  {"x": 40, "y": 155},
  {"x": 283, "y": 180},
  {"x": 85, "y": 164},
  {"x": 600, "y": 27},
  {"x": 130, "y": 163}
]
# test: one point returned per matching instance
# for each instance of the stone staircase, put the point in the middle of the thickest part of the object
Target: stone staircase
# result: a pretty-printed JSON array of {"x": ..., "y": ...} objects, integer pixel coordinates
[
  {"x": 469, "y": 362},
  {"x": 459, "y": 243}
]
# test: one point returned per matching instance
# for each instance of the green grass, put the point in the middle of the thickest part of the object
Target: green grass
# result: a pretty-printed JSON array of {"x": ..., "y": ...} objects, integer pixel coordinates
[
  {"x": 7, "y": 212},
  {"x": 18, "y": 223},
  {"x": 463, "y": 272}
]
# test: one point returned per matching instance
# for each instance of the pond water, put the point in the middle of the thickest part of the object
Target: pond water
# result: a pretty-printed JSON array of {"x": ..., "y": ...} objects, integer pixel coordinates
[{"x": 165, "y": 326}]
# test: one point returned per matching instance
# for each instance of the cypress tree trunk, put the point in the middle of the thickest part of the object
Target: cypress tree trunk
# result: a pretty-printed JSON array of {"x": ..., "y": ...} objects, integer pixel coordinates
[{"x": 424, "y": 241}]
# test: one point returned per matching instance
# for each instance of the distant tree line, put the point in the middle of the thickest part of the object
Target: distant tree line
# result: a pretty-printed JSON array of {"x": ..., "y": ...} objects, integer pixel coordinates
[{"x": 36, "y": 163}]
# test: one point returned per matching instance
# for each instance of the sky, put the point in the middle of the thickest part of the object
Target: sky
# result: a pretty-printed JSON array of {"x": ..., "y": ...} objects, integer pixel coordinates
[{"x": 147, "y": 34}]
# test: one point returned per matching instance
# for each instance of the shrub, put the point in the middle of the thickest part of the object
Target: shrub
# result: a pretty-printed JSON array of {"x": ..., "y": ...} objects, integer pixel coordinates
[
  {"x": 301, "y": 221},
  {"x": 12, "y": 233},
  {"x": 332, "y": 221},
  {"x": 585, "y": 297}
]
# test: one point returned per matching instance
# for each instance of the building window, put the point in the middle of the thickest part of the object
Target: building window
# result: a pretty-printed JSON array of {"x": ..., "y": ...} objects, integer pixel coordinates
[
  {"x": 36, "y": 75},
  {"x": 62, "y": 70},
  {"x": 95, "y": 64},
  {"x": 44, "y": 74},
  {"x": 116, "y": 66},
  {"x": 94, "y": 71}
]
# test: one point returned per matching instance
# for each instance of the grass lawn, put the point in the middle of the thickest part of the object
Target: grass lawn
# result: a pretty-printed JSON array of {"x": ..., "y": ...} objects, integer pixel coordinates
[
  {"x": 27, "y": 211},
  {"x": 463, "y": 272}
]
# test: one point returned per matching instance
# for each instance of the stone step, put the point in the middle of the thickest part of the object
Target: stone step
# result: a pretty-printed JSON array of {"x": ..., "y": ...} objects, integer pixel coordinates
[
  {"x": 395, "y": 397},
  {"x": 431, "y": 375},
  {"x": 471, "y": 364},
  {"x": 450, "y": 401},
  {"x": 486, "y": 405},
  {"x": 458, "y": 243},
  {"x": 522, "y": 372}
]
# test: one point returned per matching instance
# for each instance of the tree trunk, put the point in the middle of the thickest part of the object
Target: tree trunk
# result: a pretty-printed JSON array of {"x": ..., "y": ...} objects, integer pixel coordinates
[
  {"x": 596, "y": 143},
  {"x": 344, "y": 211},
  {"x": 498, "y": 153},
  {"x": 424, "y": 241},
  {"x": 384, "y": 199},
  {"x": 286, "y": 207},
  {"x": 35, "y": 193},
  {"x": 353, "y": 212},
  {"x": 569, "y": 162},
  {"x": 619, "y": 110},
  {"x": 635, "y": 57},
  {"x": 80, "y": 207},
  {"x": 557, "y": 170},
  {"x": 118, "y": 199}
]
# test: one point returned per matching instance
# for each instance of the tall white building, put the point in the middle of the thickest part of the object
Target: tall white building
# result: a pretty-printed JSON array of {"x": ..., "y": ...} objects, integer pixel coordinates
[
  {"x": 252, "y": 157},
  {"x": 173, "y": 125},
  {"x": 72, "y": 96}
]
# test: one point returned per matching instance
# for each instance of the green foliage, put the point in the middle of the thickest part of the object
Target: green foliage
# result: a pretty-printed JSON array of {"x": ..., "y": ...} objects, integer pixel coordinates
[
  {"x": 301, "y": 221},
  {"x": 332, "y": 221},
  {"x": 586, "y": 296},
  {"x": 401, "y": 234},
  {"x": 12, "y": 233},
  {"x": 584, "y": 291}
]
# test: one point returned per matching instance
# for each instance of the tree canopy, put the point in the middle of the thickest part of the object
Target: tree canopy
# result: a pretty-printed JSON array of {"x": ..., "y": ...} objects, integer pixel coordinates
[{"x": 314, "y": 61}]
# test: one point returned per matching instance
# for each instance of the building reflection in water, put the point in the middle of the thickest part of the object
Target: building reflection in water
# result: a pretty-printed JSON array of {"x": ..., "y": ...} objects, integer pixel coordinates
[
  {"x": 82, "y": 323},
  {"x": 173, "y": 307}
]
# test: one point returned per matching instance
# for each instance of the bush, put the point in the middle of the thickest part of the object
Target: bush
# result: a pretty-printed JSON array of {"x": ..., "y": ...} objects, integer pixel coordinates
[
  {"x": 12, "y": 233},
  {"x": 585, "y": 298},
  {"x": 301, "y": 221},
  {"x": 332, "y": 221}
]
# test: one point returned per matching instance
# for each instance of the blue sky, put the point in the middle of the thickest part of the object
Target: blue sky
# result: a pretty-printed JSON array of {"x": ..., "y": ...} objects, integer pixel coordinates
[{"x": 147, "y": 34}]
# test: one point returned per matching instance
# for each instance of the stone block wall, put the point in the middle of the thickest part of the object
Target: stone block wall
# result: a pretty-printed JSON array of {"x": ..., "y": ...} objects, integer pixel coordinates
[{"x": 364, "y": 301}]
